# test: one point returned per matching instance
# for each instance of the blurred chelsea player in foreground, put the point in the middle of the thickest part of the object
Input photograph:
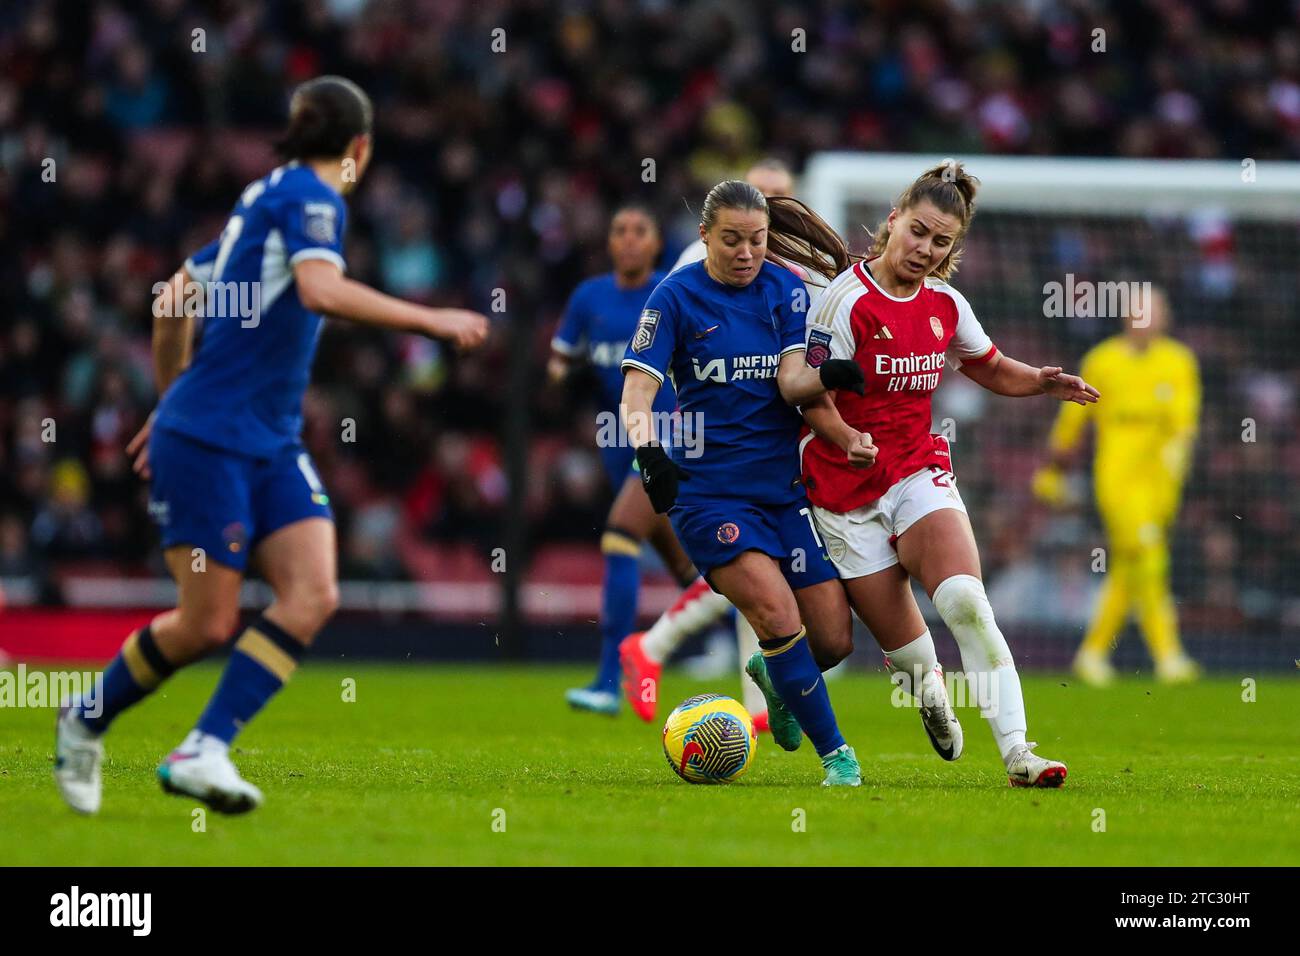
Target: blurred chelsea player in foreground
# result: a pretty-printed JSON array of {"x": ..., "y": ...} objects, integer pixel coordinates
[
  {"x": 723, "y": 329},
  {"x": 229, "y": 478}
]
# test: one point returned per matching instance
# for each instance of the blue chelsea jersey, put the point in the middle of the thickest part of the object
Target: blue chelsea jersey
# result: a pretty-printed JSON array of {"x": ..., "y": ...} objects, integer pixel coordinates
[
  {"x": 243, "y": 389},
  {"x": 598, "y": 321},
  {"x": 722, "y": 346}
]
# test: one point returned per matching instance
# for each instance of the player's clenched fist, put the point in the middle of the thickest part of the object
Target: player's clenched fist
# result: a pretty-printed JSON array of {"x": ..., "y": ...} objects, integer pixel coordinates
[
  {"x": 462, "y": 328},
  {"x": 659, "y": 476},
  {"x": 862, "y": 453}
]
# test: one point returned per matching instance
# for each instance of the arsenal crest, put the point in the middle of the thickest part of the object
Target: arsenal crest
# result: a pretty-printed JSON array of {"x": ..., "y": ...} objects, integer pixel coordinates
[{"x": 936, "y": 327}]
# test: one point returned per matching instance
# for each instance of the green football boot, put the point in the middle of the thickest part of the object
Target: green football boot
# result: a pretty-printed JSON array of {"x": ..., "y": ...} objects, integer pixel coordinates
[
  {"x": 842, "y": 768},
  {"x": 785, "y": 729}
]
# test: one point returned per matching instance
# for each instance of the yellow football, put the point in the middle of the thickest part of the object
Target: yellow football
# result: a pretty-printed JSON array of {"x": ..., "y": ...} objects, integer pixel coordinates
[{"x": 710, "y": 739}]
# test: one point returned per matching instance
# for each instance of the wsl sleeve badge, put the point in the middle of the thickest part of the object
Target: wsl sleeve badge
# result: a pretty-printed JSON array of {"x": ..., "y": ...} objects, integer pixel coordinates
[
  {"x": 710, "y": 739},
  {"x": 819, "y": 347},
  {"x": 646, "y": 328},
  {"x": 319, "y": 222}
]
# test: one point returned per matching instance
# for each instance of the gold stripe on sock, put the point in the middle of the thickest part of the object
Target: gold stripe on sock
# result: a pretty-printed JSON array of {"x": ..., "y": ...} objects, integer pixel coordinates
[
  {"x": 773, "y": 652},
  {"x": 611, "y": 542},
  {"x": 264, "y": 650},
  {"x": 144, "y": 676}
]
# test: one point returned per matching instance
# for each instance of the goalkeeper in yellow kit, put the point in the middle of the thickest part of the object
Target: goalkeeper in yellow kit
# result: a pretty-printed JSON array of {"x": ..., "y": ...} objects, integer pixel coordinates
[{"x": 1145, "y": 431}]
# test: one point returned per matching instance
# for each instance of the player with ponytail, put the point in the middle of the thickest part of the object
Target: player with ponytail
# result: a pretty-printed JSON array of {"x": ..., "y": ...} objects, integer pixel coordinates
[{"x": 882, "y": 486}]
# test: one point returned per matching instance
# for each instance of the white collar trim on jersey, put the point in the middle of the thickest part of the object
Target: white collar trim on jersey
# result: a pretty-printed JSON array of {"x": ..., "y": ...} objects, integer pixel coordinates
[{"x": 865, "y": 274}]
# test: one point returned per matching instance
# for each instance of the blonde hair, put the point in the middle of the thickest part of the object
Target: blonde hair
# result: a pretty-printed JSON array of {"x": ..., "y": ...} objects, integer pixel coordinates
[{"x": 952, "y": 191}]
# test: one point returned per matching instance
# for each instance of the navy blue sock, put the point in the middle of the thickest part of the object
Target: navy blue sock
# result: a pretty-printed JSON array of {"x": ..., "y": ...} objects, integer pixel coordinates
[
  {"x": 130, "y": 677},
  {"x": 261, "y": 663},
  {"x": 618, "y": 603},
  {"x": 798, "y": 680}
]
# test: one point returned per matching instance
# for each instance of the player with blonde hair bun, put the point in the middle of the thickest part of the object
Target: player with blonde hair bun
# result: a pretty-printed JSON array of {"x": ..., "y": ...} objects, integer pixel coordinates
[{"x": 882, "y": 487}]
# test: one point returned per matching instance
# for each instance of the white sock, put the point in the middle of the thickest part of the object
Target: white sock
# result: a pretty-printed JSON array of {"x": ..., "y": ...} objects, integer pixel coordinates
[
  {"x": 74, "y": 727},
  {"x": 986, "y": 658},
  {"x": 914, "y": 664},
  {"x": 196, "y": 741},
  {"x": 696, "y": 607},
  {"x": 747, "y": 646}
]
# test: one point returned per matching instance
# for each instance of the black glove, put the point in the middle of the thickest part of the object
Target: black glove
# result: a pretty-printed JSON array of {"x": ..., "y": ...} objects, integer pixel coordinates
[
  {"x": 659, "y": 476},
  {"x": 842, "y": 373}
]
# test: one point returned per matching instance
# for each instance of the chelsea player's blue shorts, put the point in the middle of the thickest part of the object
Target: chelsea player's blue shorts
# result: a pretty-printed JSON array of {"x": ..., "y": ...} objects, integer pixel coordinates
[
  {"x": 715, "y": 531},
  {"x": 226, "y": 503}
]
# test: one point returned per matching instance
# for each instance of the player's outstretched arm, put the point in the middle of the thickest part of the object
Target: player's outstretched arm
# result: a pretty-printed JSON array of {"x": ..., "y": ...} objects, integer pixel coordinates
[
  {"x": 824, "y": 418},
  {"x": 1006, "y": 376},
  {"x": 799, "y": 382},
  {"x": 323, "y": 288}
]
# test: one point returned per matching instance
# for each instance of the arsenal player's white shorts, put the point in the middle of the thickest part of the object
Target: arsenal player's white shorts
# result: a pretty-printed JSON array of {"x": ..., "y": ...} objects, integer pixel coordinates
[{"x": 861, "y": 542}]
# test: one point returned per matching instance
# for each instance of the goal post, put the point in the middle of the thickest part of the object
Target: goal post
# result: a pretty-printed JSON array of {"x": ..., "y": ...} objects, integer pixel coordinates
[{"x": 833, "y": 182}]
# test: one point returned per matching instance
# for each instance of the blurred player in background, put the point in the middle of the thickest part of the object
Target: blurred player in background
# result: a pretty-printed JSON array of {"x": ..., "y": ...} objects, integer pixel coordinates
[
  {"x": 726, "y": 329},
  {"x": 1145, "y": 431},
  {"x": 597, "y": 324},
  {"x": 886, "y": 500},
  {"x": 229, "y": 477},
  {"x": 644, "y": 653}
]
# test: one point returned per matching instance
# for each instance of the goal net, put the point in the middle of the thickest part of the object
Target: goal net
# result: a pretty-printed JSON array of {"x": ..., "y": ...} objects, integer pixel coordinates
[{"x": 1223, "y": 239}]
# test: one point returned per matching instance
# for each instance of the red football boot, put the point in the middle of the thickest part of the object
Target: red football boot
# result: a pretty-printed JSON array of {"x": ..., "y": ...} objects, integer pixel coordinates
[{"x": 640, "y": 677}]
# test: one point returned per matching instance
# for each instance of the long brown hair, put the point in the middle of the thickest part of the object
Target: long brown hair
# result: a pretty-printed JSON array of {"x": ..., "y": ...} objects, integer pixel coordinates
[
  {"x": 794, "y": 232},
  {"x": 952, "y": 191}
]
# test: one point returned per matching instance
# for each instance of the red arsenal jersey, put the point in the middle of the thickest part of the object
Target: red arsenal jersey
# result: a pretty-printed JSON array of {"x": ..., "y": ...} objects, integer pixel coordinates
[{"x": 902, "y": 346}]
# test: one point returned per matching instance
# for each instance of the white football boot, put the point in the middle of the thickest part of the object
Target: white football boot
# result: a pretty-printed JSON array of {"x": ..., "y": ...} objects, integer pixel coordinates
[
  {"x": 1026, "y": 769},
  {"x": 1093, "y": 668},
  {"x": 200, "y": 767},
  {"x": 937, "y": 716},
  {"x": 78, "y": 756},
  {"x": 1177, "y": 669}
]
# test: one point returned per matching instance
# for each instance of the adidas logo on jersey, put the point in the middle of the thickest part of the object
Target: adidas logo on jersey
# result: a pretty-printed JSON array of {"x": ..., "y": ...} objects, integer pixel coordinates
[{"x": 884, "y": 333}]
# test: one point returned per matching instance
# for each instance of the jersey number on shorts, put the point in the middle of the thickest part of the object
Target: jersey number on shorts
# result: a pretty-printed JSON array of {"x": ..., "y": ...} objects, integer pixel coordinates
[
  {"x": 813, "y": 525},
  {"x": 308, "y": 472}
]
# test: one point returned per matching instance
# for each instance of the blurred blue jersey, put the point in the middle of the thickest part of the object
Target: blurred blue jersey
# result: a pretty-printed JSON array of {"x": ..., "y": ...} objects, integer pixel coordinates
[
  {"x": 243, "y": 390},
  {"x": 598, "y": 322},
  {"x": 722, "y": 345}
]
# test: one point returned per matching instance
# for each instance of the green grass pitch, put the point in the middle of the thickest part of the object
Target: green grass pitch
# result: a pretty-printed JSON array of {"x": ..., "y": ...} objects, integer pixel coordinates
[{"x": 485, "y": 765}]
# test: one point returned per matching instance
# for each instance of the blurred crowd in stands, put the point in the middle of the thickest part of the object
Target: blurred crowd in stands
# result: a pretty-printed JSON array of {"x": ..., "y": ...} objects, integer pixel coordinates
[{"x": 505, "y": 133}]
